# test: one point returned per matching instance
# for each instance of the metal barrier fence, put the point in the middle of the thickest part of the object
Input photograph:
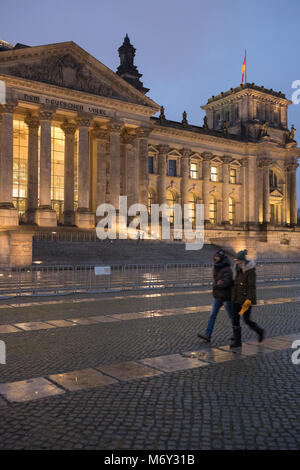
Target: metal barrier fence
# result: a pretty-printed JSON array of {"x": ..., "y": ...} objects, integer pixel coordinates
[{"x": 55, "y": 280}]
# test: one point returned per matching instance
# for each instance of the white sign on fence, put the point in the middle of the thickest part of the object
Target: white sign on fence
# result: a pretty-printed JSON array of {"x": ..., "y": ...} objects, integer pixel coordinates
[
  {"x": 102, "y": 270},
  {"x": 2, "y": 353}
]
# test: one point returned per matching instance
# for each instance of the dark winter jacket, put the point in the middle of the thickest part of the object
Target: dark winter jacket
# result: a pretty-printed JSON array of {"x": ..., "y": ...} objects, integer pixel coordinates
[
  {"x": 244, "y": 283},
  {"x": 222, "y": 272}
]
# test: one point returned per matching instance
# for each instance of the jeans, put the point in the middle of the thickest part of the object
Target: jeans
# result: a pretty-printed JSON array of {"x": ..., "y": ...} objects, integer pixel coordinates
[{"x": 217, "y": 304}]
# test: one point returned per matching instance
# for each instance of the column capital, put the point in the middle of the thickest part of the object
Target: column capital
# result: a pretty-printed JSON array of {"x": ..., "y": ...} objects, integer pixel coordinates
[
  {"x": 116, "y": 126},
  {"x": 143, "y": 132},
  {"x": 264, "y": 162},
  {"x": 226, "y": 159},
  {"x": 163, "y": 149},
  {"x": 32, "y": 121},
  {"x": 46, "y": 113},
  {"x": 127, "y": 137},
  {"x": 291, "y": 166},
  {"x": 8, "y": 107},
  {"x": 100, "y": 133},
  {"x": 244, "y": 163},
  {"x": 84, "y": 119},
  {"x": 186, "y": 153},
  {"x": 206, "y": 156},
  {"x": 69, "y": 128}
]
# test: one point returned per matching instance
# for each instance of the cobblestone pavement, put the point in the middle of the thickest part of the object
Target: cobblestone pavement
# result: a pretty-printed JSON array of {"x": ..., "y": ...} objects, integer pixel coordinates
[{"x": 246, "y": 402}]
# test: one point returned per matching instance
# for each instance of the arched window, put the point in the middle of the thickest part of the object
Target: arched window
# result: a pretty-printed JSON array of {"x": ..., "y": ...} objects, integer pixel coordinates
[
  {"x": 273, "y": 179},
  {"x": 171, "y": 200},
  {"x": 213, "y": 211},
  {"x": 231, "y": 211}
]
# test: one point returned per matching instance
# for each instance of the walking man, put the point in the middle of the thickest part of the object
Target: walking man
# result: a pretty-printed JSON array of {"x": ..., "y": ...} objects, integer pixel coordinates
[
  {"x": 243, "y": 297},
  {"x": 222, "y": 287}
]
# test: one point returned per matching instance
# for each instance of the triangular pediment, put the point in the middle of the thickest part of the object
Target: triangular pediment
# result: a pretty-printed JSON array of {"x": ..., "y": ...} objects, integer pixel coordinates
[
  {"x": 67, "y": 65},
  {"x": 276, "y": 193}
]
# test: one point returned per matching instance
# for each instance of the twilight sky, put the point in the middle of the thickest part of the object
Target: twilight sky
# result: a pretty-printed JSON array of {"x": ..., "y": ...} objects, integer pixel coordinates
[{"x": 187, "y": 50}]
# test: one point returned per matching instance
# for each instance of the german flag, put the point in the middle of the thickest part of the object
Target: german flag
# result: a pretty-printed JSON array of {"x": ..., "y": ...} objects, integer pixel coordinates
[{"x": 244, "y": 69}]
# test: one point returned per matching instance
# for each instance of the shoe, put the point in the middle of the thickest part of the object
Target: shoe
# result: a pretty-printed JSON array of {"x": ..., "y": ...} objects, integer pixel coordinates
[
  {"x": 205, "y": 336},
  {"x": 237, "y": 337}
]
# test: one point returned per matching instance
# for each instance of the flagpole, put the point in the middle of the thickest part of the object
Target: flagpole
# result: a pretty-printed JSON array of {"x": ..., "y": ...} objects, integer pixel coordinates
[{"x": 245, "y": 66}]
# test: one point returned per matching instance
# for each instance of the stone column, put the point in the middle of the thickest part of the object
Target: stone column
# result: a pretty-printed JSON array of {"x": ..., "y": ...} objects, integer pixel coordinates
[
  {"x": 33, "y": 124},
  {"x": 251, "y": 196},
  {"x": 162, "y": 169},
  {"x": 8, "y": 213},
  {"x": 265, "y": 163},
  {"x": 206, "y": 182},
  {"x": 245, "y": 192},
  {"x": 130, "y": 187},
  {"x": 69, "y": 130},
  {"x": 143, "y": 177},
  {"x": 185, "y": 174},
  {"x": 225, "y": 189},
  {"x": 115, "y": 176},
  {"x": 83, "y": 217},
  {"x": 100, "y": 135},
  {"x": 45, "y": 216},
  {"x": 293, "y": 192}
]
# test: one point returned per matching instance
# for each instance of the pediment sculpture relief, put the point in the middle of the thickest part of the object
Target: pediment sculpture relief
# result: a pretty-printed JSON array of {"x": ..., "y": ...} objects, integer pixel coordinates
[{"x": 63, "y": 71}]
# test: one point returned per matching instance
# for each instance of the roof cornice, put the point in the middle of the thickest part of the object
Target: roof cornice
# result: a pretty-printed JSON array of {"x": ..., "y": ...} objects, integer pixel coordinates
[{"x": 31, "y": 86}]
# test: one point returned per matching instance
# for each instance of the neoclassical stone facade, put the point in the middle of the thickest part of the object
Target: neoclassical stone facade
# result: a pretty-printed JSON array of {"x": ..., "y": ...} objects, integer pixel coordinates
[{"x": 74, "y": 134}]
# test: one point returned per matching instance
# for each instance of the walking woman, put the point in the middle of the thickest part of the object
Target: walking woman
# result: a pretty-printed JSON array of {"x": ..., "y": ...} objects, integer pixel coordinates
[{"x": 244, "y": 295}]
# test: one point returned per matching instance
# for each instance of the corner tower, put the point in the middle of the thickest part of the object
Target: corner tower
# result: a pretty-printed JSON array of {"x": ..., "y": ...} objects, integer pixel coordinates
[{"x": 251, "y": 111}]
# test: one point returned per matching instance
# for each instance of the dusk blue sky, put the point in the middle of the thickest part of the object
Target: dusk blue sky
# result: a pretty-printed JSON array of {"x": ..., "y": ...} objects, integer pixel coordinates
[{"x": 187, "y": 50}]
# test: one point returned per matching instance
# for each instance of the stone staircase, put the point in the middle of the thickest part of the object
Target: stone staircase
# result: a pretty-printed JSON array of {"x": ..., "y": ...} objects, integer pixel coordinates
[{"x": 52, "y": 252}]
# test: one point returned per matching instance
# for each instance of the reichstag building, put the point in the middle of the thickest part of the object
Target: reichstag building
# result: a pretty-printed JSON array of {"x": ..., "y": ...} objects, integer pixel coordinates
[{"x": 75, "y": 134}]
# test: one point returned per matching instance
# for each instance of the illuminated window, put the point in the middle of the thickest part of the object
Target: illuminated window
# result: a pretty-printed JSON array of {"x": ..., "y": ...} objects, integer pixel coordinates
[
  {"x": 57, "y": 169},
  {"x": 214, "y": 173},
  {"x": 150, "y": 201},
  {"x": 231, "y": 211},
  {"x": 192, "y": 208},
  {"x": 212, "y": 211},
  {"x": 20, "y": 164},
  {"x": 232, "y": 175},
  {"x": 194, "y": 171},
  {"x": 171, "y": 199}
]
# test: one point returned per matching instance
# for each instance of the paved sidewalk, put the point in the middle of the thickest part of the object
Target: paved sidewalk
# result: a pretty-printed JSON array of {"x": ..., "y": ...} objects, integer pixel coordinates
[{"x": 143, "y": 380}]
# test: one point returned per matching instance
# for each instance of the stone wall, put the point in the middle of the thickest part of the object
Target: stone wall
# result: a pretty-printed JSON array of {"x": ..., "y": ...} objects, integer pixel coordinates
[{"x": 15, "y": 248}]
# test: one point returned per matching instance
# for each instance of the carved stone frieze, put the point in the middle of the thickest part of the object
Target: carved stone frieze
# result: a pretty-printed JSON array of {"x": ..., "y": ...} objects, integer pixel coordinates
[{"x": 62, "y": 70}]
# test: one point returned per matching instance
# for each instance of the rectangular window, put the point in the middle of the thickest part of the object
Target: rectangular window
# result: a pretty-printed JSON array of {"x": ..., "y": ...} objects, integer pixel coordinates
[
  {"x": 232, "y": 175},
  {"x": 172, "y": 167},
  {"x": 214, "y": 173},
  {"x": 194, "y": 171},
  {"x": 20, "y": 161},
  {"x": 57, "y": 169},
  {"x": 150, "y": 165}
]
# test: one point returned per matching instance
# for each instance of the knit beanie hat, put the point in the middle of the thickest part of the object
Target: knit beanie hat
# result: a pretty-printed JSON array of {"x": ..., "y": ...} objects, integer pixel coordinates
[
  {"x": 221, "y": 254},
  {"x": 242, "y": 255}
]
